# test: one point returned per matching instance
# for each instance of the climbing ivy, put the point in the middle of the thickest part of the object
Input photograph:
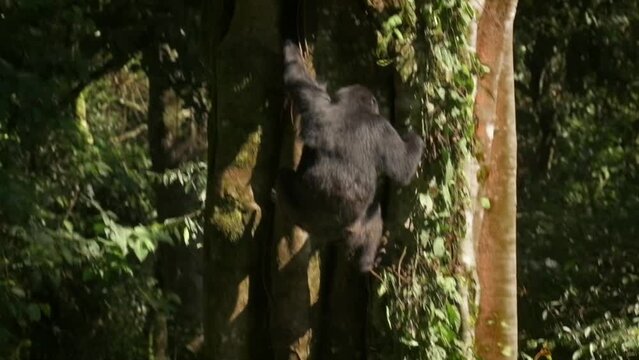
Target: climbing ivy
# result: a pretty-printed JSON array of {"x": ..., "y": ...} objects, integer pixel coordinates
[{"x": 428, "y": 43}]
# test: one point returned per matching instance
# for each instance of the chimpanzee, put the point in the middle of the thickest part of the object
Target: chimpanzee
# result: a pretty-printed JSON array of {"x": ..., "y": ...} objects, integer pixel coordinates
[{"x": 347, "y": 146}]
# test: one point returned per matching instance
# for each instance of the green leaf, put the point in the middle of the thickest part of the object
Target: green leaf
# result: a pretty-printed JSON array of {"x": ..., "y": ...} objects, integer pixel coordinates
[
  {"x": 485, "y": 203},
  {"x": 507, "y": 350},
  {"x": 45, "y": 309},
  {"x": 566, "y": 329},
  {"x": 18, "y": 291},
  {"x": 439, "y": 248},
  {"x": 453, "y": 315},
  {"x": 92, "y": 248},
  {"x": 33, "y": 312},
  {"x": 66, "y": 254},
  {"x": 392, "y": 23},
  {"x": 450, "y": 172},
  {"x": 68, "y": 225},
  {"x": 588, "y": 331},
  {"x": 186, "y": 235},
  {"x": 409, "y": 342},
  {"x": 381, "y": 290},
  {"x": 446, "y": 195},
  {"x": 426, "y": 202},
  {"x": 88, "y": 274},
  {"x": 139, "y": 249}
]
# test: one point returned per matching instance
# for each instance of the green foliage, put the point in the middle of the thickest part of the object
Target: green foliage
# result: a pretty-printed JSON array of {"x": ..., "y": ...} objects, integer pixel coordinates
[
  {"x": 76, "y": 228},
  {"x": 607, "y": 339},
  {"x": 190, "y": 175},
  {"x": 578, "y": 170},
  {"x": 428, "y": 44},
  {"x": 76, "y": 217}
]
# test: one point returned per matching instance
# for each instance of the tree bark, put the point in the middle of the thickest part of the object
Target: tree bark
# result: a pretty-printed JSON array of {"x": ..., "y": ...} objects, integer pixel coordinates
[
  {"x": 178, "y": 265},
  {"x": 246, "y": 97},
  {"x": 296, "y": 268},
  {"x": 345, "y": 37},
  {"x": 494, "y": 228},
  {"x": 466, "y": 256},
  {"x": 295, "y": 278}
]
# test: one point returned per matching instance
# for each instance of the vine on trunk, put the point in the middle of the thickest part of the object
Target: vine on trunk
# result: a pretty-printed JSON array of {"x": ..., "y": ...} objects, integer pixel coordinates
[{"x": 428, "y": 43}]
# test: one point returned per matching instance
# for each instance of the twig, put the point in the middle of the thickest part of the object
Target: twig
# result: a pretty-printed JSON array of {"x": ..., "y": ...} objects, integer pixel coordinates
[
  {"x": 76, "y": 195},
  {"x": 130, "y": 134},
  {"x": 131, "y": 105},
  {"x": 372, "y": 272},
  {"x": 399, "y": 264}
]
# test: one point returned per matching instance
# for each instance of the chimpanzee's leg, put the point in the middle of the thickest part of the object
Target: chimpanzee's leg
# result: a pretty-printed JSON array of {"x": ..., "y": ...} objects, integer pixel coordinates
[{"x": 366, "y": 235}]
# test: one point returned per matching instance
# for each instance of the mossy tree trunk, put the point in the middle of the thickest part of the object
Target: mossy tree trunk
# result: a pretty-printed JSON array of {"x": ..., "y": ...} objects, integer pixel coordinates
[
  {"x": 246, "y": 100},
  {"x": 307, "y": 321},
  {"x": 494, "y": 227}
]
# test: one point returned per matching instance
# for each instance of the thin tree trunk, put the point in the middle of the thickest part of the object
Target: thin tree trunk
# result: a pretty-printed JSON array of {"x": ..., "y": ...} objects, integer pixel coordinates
[
  {"x": 295, "y": 279},
  {"x": 246, "y": 95},
  {"x": 496, "y": 330},
  {"x": 178, "y": 265},
  {"x": 466, "y": 255},
  {"x": 296, "y": 266}
]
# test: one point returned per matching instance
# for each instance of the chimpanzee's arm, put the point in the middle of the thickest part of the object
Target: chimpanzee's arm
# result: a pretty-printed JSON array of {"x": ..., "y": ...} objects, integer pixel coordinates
[
  {"x": 398, "y": 156},
  {"x": 310, "y": 98}
]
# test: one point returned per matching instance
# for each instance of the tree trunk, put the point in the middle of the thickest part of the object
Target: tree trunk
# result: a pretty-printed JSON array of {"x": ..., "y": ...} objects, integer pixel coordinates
[
  {"x": 178, "y": 265},
  {"x": 345, "y": 37},
  {"x": 467, "y": 256},
  {"x": 296, "y": 267},
  {"x": 295, "y": 278},
  {"x": 246, "y": 97},
  {"x": 494, "y": 227}
]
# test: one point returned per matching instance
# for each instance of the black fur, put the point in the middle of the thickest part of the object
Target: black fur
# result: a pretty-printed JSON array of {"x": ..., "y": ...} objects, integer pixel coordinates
[{"x": 347, "y": 146}]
